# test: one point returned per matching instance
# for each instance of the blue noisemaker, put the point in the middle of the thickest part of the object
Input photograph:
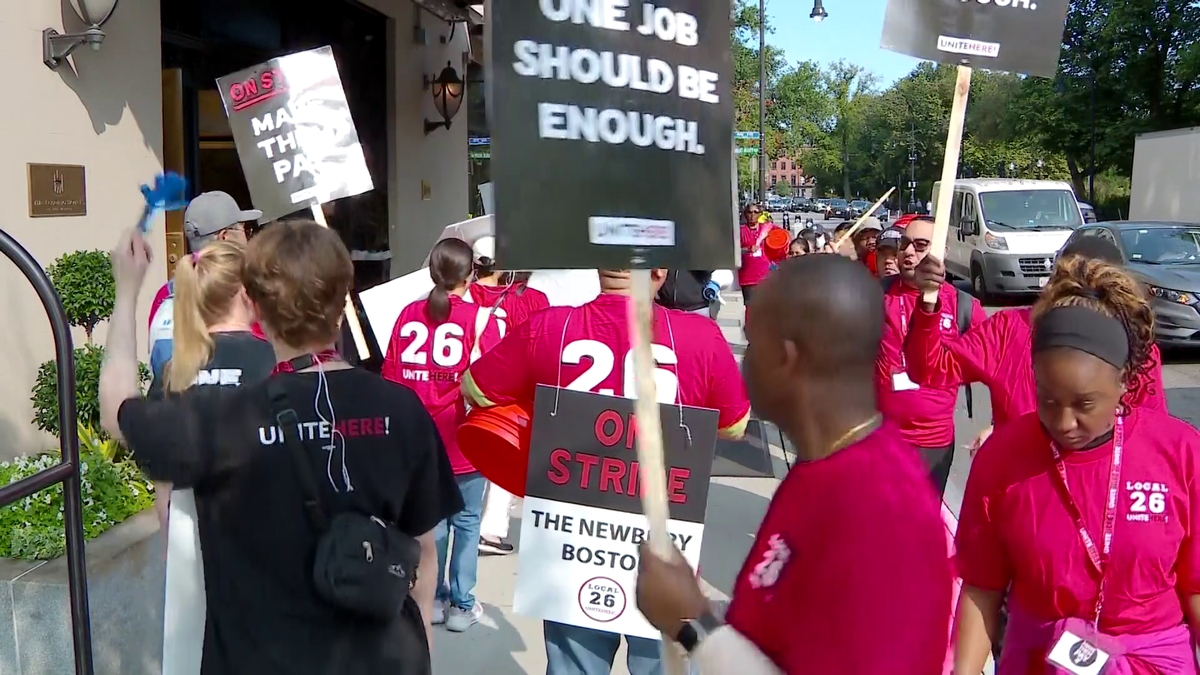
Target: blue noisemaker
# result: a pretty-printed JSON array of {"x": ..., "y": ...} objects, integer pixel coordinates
[{"x": 167, "y": 193}]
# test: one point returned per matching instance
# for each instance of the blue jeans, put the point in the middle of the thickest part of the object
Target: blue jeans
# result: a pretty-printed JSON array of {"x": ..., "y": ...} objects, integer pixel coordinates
[
  {"x": 464, "y": 558},
  {"x": 571, "y": 650}
]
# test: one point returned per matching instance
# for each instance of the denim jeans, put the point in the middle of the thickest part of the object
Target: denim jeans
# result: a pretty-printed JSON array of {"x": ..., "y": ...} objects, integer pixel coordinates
[
  {"x": 571, "y": 650},
  {"x": 464, "y": 557}
]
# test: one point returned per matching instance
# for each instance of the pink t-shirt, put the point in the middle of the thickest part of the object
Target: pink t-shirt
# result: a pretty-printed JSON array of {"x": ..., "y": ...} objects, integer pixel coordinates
[
  {"x": 755, "y": 265},
  {"x": 924, "y": 415},
  {"x": 1015, "y": 528},
  {"x": 516, "y": 303},
  {"x": 849, "y": 572},
  {"x": 587, "y": 349},
  {"x": 430, "y": 358}
]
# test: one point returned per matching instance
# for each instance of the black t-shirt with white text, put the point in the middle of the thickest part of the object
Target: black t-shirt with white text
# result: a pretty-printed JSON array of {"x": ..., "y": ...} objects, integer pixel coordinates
[
  {"x": 237, "y": 358},
  {"x": 257, "y": 543}
]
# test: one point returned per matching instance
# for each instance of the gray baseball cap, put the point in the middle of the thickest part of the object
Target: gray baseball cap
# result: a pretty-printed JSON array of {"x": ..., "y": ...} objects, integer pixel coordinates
[
  {"x": 870, "y": 223},
  {"x": 211, "y": 212}
]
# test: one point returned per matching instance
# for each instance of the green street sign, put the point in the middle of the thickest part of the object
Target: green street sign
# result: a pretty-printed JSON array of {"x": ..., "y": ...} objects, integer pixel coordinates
[
  {"x": 747, "y": 151},
  {"x": 480, "y": 154}
]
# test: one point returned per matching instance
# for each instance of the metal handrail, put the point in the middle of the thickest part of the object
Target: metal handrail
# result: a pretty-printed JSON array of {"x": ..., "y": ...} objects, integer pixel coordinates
[{"x": 67, "y": 470}]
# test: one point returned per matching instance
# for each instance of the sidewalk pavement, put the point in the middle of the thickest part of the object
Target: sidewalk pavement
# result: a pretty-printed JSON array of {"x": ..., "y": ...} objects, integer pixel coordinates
[{"x": 504, "y": 643}]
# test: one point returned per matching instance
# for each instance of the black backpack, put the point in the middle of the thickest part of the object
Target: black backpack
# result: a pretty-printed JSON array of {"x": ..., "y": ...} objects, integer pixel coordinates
[{"x": 962, "y": 319}]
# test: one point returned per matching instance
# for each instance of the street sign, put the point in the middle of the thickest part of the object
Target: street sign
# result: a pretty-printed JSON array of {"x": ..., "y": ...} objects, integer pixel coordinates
[
  {"x": 1021, "y": 36},
  {"x": 912, "y": 183},
  {"x": 607, "y": 147},
  {"x": 479, "y": 154},
  {"x": 746, "y": 135},
  {"x": 479, "y": 140},
  {"x": 747, "y": 151}
]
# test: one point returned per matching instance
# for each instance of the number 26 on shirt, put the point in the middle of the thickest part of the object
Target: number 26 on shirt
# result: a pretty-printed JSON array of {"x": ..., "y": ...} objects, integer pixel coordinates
[
  {"x": 603, "y": 360},
  {"x": 447, "y": 347}
]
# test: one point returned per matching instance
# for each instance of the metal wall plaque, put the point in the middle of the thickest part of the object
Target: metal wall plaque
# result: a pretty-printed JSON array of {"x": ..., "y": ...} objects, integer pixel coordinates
[{"x": 57, "y": 190}]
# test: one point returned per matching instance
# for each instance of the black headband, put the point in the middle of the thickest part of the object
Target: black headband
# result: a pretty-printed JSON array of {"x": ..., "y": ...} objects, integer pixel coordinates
[{"x": 1085, "y": 329}]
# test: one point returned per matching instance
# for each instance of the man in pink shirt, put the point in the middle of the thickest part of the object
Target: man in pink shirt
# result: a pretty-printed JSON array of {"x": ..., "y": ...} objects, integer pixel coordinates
[
  {"x": 587, "y": 348},
  {"x": 848, "y": 573},
  {"x": 924, "y": 414}
]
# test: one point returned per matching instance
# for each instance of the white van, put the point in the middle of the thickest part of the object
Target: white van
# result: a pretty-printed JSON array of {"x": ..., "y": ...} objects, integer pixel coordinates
[{"x": 1005, "y": 233}]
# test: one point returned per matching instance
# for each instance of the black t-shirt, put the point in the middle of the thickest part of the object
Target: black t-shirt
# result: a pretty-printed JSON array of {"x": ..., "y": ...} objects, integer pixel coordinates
[
  {"x": 263, "y": 614},
  {"x": 237, "y": 358}
]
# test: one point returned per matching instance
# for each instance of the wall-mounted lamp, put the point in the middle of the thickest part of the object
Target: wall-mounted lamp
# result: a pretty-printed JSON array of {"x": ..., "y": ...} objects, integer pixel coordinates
[
  {"x": 818, "y": 14},
  {"x": 56, "y": 47},
  {"x": 447, "y": 89}
]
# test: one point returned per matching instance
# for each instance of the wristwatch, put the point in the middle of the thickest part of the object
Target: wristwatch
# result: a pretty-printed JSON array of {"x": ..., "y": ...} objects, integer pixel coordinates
[{"x": 695, "y": 630}]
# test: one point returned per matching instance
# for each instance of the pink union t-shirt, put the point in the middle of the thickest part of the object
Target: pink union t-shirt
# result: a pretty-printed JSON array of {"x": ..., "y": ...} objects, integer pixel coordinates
[
  {"x": 430, "y": 358},
  {"x": 516, "y": 303},
  {"x": 755, "y": 265},
  {"x": 587, "y": 349},
  {"x": 1014, "y": 526},
  {"x": 849, "y": 572}
]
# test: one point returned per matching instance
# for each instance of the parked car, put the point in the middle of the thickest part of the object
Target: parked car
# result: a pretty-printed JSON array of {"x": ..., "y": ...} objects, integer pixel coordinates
[
  {"x": 1166, "y": 257},
  {"x": 859, "y": 207},
  {"x": 838, "y": 208}
]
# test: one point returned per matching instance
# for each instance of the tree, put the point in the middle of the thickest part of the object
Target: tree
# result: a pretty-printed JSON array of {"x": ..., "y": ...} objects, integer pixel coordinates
[
  {"x": 85, "y": 286},
  {"x": 783, "y": 189}
]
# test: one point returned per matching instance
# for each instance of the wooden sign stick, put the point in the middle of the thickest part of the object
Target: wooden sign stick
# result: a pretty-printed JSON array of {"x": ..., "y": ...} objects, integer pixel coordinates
[
  {"x": 360, "y": 340},
  {"x": 863, "y": 218},
  {"x": 652, "y": 465},
  {"x": 945, "y": 195}
]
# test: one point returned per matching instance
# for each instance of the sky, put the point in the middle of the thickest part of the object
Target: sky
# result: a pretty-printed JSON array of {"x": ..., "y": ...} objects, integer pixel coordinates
[{"x": 851, "y": 34}]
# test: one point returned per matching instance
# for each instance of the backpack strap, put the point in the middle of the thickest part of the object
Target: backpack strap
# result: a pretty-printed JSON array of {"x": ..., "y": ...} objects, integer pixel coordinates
[
  {"x": 289, "y": 425},
  {"x": 962, "y": 320}
]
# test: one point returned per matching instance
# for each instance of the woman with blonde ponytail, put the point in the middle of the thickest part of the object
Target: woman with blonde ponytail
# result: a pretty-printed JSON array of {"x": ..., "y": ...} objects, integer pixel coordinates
[{"x": 214, "y": 345}]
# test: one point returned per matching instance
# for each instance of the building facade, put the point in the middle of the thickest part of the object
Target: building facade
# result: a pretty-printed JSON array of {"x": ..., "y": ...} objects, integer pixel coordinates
[
  {"x": 788, "y": 170},
  {"x": 146, "y": 101}
]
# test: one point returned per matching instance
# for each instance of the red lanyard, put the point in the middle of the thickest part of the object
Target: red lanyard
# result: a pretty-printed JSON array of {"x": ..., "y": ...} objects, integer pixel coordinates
[
  {"x": 1099, "y": 557},
  {"x": 306, "y": 361}
]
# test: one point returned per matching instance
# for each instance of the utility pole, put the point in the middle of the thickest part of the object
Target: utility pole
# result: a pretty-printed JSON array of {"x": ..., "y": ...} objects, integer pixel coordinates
[
  {"x": 1092, "y": 169},
  {"x": 762, "y": 101},
  {"x": 912, "y": 162}
]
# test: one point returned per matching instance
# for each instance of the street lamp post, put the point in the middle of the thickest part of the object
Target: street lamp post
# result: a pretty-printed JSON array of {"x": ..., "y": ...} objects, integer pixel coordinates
[{"x": 762, "y": 101}]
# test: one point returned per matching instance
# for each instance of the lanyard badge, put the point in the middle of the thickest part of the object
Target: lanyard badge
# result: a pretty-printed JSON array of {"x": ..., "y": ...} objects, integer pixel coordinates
[{"x": 1073, "y": 653}]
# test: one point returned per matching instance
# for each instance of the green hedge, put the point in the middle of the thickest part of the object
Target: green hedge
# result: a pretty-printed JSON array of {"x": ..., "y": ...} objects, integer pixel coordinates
[{"x": 88, "y": 360}]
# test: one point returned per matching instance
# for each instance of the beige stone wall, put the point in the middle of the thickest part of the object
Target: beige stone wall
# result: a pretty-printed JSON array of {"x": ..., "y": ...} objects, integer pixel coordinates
[{"x": 102, "y": 110}]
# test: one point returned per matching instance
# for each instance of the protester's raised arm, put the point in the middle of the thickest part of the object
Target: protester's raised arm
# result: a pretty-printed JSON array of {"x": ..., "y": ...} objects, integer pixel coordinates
[
  {"x": 938, "y": 356},
  {"x": 119, "y": 376}
]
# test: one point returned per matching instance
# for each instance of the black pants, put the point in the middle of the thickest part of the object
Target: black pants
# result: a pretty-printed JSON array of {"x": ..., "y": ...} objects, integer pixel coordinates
[
  {"x": 938, "y": 460},
  {"x": 747, "y": 293}
]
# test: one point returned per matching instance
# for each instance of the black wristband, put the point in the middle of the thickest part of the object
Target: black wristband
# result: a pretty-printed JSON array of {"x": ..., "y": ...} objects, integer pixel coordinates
[{"x": 693, "y": 631}]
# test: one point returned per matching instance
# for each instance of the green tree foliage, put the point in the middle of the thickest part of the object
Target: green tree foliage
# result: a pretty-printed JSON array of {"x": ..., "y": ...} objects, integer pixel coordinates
[
  {"x": 84, "y": 282},
  {"x": 88, "y": 360}
]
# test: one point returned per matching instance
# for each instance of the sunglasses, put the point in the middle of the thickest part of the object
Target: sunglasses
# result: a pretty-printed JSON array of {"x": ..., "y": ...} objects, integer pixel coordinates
[{"x": 919, "y": 245}]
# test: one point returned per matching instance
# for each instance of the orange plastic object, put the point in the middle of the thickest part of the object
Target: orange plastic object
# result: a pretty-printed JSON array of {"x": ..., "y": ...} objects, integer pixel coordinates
[
  {"x": 776, "y": 244},
  {"x": 496, "y": 442}
]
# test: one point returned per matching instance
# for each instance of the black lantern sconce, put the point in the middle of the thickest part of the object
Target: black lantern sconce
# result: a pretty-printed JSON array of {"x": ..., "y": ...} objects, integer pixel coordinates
[{"x": 448, "y": 90}]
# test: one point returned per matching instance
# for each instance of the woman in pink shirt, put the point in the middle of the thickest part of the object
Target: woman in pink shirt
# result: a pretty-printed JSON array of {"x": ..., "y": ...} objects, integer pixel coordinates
[
  {"x": 755, "y": 264},
  {"x": 1089, "y": 507}
]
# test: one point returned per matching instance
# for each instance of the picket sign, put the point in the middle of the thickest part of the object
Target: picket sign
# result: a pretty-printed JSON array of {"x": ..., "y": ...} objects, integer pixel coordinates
[
  {"x": 863, "y": 218},
  {"x": 945, "y": 195},
  {"x": 649, "y": 438},
  {"x": 360, "y": 340}
]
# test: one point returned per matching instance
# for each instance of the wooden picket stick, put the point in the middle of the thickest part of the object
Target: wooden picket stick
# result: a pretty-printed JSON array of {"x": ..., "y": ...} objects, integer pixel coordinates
[
  {"x": 360, "y": 340},
  {"x": 651, "y": 463},
  {"x": 863, "y": 218},
  {"x": 945, "y": 195}
]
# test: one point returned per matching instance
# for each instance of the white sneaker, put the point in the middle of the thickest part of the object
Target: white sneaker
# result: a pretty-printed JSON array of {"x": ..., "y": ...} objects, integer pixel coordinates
[
  {"x": 458, "y": 620},
  {"x": 439, "y": 613}
]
